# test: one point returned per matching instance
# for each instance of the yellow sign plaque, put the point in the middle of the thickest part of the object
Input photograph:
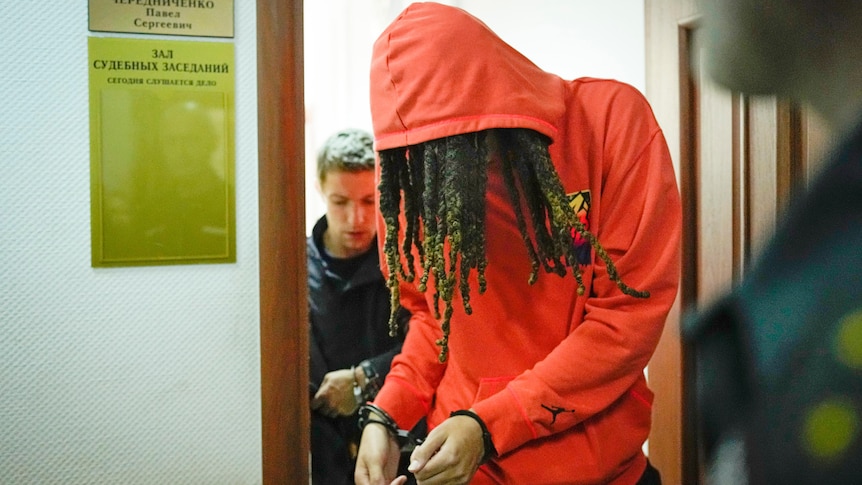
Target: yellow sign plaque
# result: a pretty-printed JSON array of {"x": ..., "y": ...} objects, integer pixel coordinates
[
  {"x": 203, "y": 18},
  {"x": 162, "y": 152}
]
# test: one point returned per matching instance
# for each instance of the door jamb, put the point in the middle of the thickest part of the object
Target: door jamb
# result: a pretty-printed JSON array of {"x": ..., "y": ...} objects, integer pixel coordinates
[{"x": 283, "y": 286}]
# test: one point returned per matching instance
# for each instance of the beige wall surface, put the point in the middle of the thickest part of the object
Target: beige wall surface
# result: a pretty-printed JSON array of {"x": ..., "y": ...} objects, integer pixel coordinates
[{"x": 114, "y": 375}]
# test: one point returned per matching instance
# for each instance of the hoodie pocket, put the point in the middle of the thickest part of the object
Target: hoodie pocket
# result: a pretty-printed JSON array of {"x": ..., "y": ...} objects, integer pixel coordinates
[{"x": 491, "y": 385}]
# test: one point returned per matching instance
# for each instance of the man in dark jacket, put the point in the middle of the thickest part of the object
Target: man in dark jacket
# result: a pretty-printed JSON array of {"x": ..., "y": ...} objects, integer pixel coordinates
[{"x": 348, "y": 300}]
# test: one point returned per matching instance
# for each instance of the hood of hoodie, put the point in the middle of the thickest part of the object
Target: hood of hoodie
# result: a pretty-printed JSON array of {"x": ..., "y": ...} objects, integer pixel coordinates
[{"x": 437, "y": 71}]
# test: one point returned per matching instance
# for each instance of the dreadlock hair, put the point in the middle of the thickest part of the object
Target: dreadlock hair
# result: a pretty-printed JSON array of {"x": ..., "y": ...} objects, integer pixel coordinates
[{"x": 443, "y": 182}]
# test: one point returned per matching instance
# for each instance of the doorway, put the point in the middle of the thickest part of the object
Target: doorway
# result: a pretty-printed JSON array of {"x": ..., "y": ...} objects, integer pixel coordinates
[{"x": 282, "y": 114}]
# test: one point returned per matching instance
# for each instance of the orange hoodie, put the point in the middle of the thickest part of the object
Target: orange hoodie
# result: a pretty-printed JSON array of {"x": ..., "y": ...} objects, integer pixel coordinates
[{"x": 557, "y": 378}]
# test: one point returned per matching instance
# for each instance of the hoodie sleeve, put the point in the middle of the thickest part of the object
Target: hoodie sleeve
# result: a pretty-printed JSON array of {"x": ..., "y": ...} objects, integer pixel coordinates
[
  {"x": 595, "y": 374},
  {"x": 410, "y": 385}
]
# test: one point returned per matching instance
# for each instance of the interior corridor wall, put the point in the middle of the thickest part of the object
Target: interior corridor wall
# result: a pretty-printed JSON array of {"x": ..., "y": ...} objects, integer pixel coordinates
[{"x": 124, "y": 375}]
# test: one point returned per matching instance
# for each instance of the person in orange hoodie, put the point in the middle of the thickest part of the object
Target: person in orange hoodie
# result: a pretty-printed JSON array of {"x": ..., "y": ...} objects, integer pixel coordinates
[{"x": 492, "y": 171}]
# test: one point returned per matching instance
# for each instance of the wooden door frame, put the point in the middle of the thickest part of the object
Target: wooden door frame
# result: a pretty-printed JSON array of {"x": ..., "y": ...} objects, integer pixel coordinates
[
  {"x": 283, "y": 286},
  {"x": 672, "y": 441},
  {"x": 773, "y": 148}
]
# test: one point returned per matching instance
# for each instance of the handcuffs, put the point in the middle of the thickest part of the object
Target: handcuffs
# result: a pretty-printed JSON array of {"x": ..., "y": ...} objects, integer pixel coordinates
[
  {"x": 406, "y": 440},
  {"x": 372, "y": 383}
]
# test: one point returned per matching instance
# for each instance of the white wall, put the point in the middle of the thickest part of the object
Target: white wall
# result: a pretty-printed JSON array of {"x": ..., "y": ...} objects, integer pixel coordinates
[
  {"x": 571, "y": 38},
  {"x": 125, "y": 375}
]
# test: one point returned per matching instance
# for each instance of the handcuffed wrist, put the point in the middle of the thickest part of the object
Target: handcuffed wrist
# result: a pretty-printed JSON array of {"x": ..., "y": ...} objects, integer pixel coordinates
[
  {"x": 380, "y": 417},
  {"x": 405, "y": 439},
  {"x": 490, "y": 451},
  {"x": 358, "y": 395},
  {"x": 372, "y": 380}
]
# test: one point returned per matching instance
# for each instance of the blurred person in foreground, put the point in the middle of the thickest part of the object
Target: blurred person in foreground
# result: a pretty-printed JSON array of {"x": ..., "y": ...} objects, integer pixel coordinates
[
  {"x": 348, "y": 304},
  {"x": 493, "y": 171},
  {"x": 780, "y": 358}
]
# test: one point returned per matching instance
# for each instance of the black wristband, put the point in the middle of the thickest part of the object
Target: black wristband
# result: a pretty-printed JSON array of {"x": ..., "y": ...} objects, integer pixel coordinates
[{"x": 490, "y": 451}]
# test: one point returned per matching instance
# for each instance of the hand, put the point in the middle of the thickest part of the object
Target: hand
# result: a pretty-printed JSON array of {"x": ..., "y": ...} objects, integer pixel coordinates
[
  {"x": 450, "y": 453},
  {"x": 335, "y": 396},
  {"x": 377, "y": 461}
]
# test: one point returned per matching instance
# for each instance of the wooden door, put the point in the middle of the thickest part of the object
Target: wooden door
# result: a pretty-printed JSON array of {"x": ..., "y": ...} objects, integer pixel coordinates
[
  {"x": 283, "y": 286},
  {"x": 739, "y": 160}
]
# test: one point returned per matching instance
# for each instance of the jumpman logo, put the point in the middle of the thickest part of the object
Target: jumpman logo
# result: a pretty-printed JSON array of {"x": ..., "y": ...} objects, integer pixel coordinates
[{"x": 555, "y": 410}]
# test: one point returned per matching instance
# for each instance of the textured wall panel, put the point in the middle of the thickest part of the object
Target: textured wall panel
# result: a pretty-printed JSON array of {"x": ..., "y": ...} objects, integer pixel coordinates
[{"x": 126, "y": 375}]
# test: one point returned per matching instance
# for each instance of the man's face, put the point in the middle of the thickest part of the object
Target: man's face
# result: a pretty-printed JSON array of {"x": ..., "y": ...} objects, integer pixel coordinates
[{"x": 350, "y": 212}]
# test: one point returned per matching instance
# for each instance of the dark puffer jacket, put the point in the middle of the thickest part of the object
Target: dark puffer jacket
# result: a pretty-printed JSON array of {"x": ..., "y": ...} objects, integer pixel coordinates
[
  {"x": 349, "y": 319},
  {"x": 349, "y": 323}
]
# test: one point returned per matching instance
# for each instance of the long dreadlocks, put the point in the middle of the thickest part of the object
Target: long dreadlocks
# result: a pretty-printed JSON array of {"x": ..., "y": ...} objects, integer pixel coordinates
[{"x": 443, "y": 186}]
